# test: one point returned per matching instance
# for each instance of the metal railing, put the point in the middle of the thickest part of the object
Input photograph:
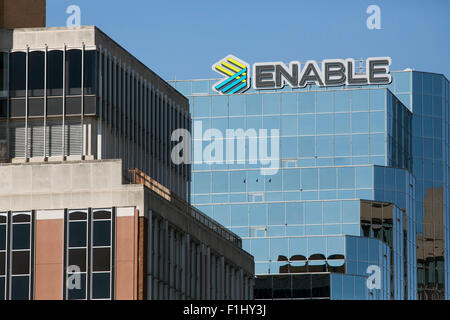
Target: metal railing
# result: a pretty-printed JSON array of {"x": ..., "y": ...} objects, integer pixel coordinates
[{"x": 136, "y": 176}]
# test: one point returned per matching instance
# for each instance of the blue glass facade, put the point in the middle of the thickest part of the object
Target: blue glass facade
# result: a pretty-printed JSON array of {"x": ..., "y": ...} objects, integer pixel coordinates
[{"x": 363, "y": 166}]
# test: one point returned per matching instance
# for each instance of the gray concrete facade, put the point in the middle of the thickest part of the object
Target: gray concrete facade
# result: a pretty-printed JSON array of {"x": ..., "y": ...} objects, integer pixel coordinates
[{"x": 187, "y": 257}]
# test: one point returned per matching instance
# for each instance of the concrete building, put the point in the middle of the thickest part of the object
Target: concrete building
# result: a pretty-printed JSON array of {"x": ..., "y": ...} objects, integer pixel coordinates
[
  {"x": 76, "y": 94},
  {"x": 74, "y": 222}
]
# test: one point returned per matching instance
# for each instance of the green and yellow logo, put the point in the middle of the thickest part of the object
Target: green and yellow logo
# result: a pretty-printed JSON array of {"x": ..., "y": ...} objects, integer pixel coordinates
[{"x": 237, "y": 74}]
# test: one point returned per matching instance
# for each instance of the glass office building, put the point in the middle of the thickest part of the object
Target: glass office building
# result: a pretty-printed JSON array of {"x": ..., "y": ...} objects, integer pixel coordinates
[{"x": 362, "y": 184}]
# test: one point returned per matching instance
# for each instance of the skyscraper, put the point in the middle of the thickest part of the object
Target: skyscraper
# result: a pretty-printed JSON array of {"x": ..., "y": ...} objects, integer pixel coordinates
[{"x": 363, "y": 182}]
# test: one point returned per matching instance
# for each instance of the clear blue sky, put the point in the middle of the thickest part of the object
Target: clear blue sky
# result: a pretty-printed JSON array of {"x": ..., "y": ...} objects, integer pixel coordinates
[{"x": 183, "y": 38}]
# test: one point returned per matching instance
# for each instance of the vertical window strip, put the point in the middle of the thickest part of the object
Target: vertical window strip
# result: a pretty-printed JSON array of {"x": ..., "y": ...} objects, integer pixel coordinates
[
  {"x": 76, "y": 261},
  {"x": 101, "y": 260},
  {"x": 3, "y": 254},
  {"x": 20, "y": 256},
  {"x": 96, "y": 243}
]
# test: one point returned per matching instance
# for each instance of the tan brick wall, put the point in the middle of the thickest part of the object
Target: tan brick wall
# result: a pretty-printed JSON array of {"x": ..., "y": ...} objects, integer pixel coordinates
[
  {"x": 49, "y": 257},
  {"x": 126, "y": 260}
]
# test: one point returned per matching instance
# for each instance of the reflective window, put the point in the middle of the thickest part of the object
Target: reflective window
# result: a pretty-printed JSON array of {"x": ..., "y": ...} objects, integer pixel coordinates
[
  {"x": 273, "y": 182},
  {"x": 402, "y": 81},
  {"x": 4, "y": 74},
  {"x": 377, "y": 143},
  {"x": 324, "y": 146},
  {"x": 327, "y": 178},
  {"x": 288, "y": 103},
  {"x": 331, "y": 212},
  {"x": 364, "y": 177},
  {"x": 77, "y": 234},
  {"x": 20, "y": 288},
  {"x": 101, "y": 233},
  {"x": 342, "y": 123},
  {"x": 258, "y": 214},
  {"x": 219, "y": 106},
  {"x": 101, "y": 286},
  {"x": 301, "y": 286},
  {"x": 202, "y": 106},
  {"x": 90, "y": 72},
  {"x": 73, "y": 72},
  {"x": 271, "y": 103},
  {"x": 291, "y": 179},
  {"x": 325, "y": 102},
  {"x": 3, "y": 254},
  {"x": 236, "y": 105},
  {"x": 360, "y": 100},
  {"x": 313, "y": 212},
  {"x": 307, "y": 124},
  {"x": 239, "y": 215},
  {"x": 254, "y": 104},
  {"x": 98, "y": 252},
  {"x": 289, "y": 147},
  {"x": 342, "y": 145},
  {"x": 360, "y": 122},
  {"x": 309, "y": 179},
  {"x": 17, "y": 76},
  {"x": 54, "y": 73},
  {"x": 260, "y": 249},
  {"x": 307, "y": 103},
  {"x": 307, "y": 146},
  {"x": 350, "y": 211},
  {"x": 202, "y": 182},
  {"x": 377, "y": 99},
  {"x": 320, "y": 286},
  {"x": 276, "y": 214},
  {"x": 222, "y": 214},
  {"x": 294, "y": 213},
  {"x": 377, "y": 122},
  {"x": 341, "y": 101},
  {"x": 200, "y": 87},
  {"x": 77, "y": 253},
  {"x": 360, "y": 144},
  {"x": 325, "y": 123},
  {"x": 20, "y": 256},
  {"x": 36, "y": 72},
  {"x": 288, "y": 125},
  {"x": 282, "y": 287}
]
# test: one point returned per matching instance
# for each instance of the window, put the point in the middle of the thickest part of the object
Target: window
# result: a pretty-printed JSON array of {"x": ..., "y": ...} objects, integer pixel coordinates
[
  {"x": 73, "y": 72},
  {"x": 256, "y": 197},
  {"x": 54, "y": 73},
  {"x": 3, "y": 253},
  {"x": 17, "y": 79},
  {"x": 77, "y": 254},
  {"x": 254, "y": 104},
  {"x": 90, "y": 72},
  {"x": 20, "y": 256},
  {"x": 36, "y": 72},
  {"x": 101, "y": 263},
  {"x": 89, "y": 255},
  {"x": 3, "y": 74}
]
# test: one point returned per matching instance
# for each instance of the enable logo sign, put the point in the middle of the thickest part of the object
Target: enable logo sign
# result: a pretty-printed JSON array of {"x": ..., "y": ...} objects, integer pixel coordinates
[
  {"x": 237, "y": 72},
  {"x": 275, "y": 75}
]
